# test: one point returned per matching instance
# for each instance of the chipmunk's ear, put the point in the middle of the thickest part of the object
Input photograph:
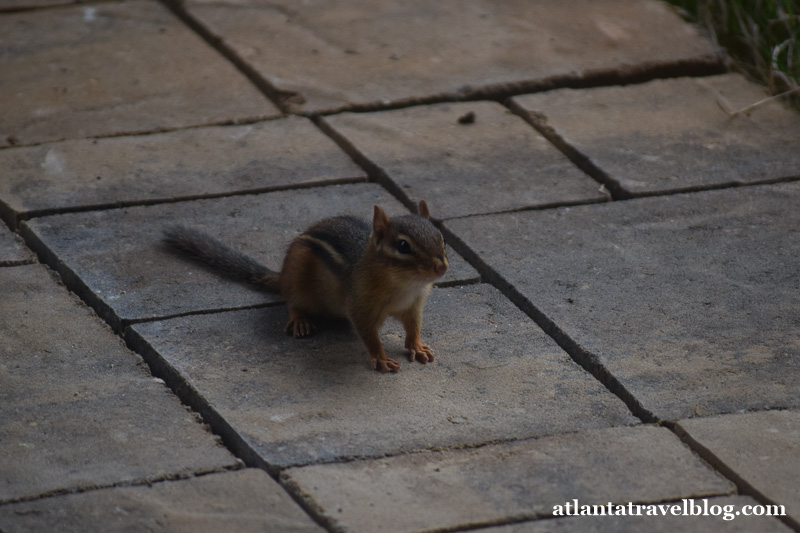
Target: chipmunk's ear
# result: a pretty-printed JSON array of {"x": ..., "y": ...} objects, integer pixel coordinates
[
  {"x": 422, "y": 209},
  {"x": 380, "y": 224}
]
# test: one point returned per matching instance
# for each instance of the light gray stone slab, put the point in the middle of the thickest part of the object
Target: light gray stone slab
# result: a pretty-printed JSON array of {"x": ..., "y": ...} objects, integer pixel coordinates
[
  {"x": 727, "y": 506},
  {"x": 116, "y": 261},
  {"x": 111, "y": 68},
  {"x": 763, "y": 448},
  {"x": 673, "y": 134},
  {"x": 459, "y": 488},
  {"x": 495, "y": 376},
  {"x": 495, "y": 163},
  {"x": 333, "y": 55},
  {"x": 243, "y": 501},
  {"x": 691, "y": 301},
  {"x": 77, "y": 409},
  {"x": 189, "y": 163},
  {"x": 12, "y": 250}
]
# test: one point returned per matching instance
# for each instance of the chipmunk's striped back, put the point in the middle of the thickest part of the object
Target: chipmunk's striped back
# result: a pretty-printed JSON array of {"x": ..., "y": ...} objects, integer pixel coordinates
[{"x": 338, "y": 242}]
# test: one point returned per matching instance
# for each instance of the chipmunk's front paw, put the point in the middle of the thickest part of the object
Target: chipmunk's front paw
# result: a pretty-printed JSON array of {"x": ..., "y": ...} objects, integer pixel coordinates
[
  {"x": 419, "y": 352},
  {"x": 385, "y": 364},
  {"x": 299, "y": 326}
]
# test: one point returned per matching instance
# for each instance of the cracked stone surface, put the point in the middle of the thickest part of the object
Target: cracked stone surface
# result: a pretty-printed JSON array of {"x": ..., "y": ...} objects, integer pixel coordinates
[
  {"x": 673, "y": 134},
  {"x": 243, "y": 501},
  {"x": 689, "y": 300},
  {"x": 332, "y": 55},
  {"x": 459, "y": 487},
  {"x": 78, "y": 409},
  {"x": 495, "y": 376},
  {"x": 127, "y": 272},
  {"x": 100, "y": 69},
  {"x": 761, "y": 447},
  {"x": 430, "y": 155},
  {"x": 182, "y": 164}
]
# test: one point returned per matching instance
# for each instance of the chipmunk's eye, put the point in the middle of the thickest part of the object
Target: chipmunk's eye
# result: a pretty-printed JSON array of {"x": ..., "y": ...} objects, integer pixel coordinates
[{"x": 403, "y": 247}]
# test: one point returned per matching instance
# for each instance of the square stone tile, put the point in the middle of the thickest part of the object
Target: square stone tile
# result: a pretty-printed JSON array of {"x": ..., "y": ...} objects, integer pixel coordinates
[
  {"x": 691, "y": 301},
  {"x": 334, "y": 55},
  {"x": 110, "y": 68},
  {"x": 460, "y": 488},
  {"x": 116, "y": 261},
  {"x": 495, "y": 376},
  {"x": 188, "y": 163},
  {"x": 12, "y": 250},
  {"x": 243, "y": 501},
  {"x": 495, "y": 163},
  {"x": 762, "y": 448},
  {"x": 673, "y": 134},
  {"x": 725, "y": 506},
  {"x": 77, "y": 409}
]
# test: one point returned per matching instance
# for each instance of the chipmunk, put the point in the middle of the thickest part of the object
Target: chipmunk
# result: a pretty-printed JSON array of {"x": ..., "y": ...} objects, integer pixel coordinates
[{"x": 340, "y": 267}]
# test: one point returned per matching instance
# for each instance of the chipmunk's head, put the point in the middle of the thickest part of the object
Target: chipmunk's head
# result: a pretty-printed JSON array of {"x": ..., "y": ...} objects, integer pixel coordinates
[{"x": 410, "y": 243}]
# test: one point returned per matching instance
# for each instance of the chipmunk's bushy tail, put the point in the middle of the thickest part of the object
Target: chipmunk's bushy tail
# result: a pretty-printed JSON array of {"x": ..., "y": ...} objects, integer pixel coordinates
[{"x": 211, "y": 252}]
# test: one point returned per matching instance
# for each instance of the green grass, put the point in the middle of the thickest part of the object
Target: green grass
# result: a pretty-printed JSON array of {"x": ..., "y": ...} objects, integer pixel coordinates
[{"x": 762, "y": 36}]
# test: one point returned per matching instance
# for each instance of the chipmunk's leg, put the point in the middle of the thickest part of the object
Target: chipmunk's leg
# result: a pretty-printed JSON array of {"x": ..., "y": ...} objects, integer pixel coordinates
[
  {"x": 411, "y": 319},
  {"x": 299, "y": 266},
  {"x": 380, "y": 361},
  {"x": 367, "y": 329}
]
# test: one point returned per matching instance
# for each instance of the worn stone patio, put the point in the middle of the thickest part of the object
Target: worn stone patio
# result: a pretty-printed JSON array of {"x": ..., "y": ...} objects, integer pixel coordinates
[{"x": 620, "y": 323}]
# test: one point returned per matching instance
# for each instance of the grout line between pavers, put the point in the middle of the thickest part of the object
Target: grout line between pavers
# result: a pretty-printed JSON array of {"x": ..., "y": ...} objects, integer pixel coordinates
[
  {"x": 709, "y": 187},
  {"x": 612, "y": 186},
  {"x": 582, "y": 161},
  {"x": 199, "y": 312},
  {"x": 231, "y": 439},
  {"x": 374, "y": 172},
  {"x": 191, "y": 397},
  {"x": 585, "y": 359},
  {"x": 702, "y": 66},
  {"x": 289, "y": 102},
  {"x": 742, "y": 485},
  {"x": 152, "y": 131},
  {"x": 143, "y": 481},
  {"x": 283, "y": 100},
  {"x": 37, "y": 213},
  {"x": 71, "y": 280}
]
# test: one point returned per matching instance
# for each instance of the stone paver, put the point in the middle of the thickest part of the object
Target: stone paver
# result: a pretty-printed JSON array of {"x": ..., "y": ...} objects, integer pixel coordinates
[
  {"x": 77, "y": 409},
  {"x": 690, "y": 301},
  {"x": 243, "y": 501},
  {"x": 660, "y": 524},
  {"x": 127, "y": 274},
  {"x": 429, "y": 154},
  {"x": 250, "y": 120},
  {"x": 367, "y": 52},
  {"x": 112, "y": 68},
  {"x": 12, "y": 250},
  {"x": 669, "y": 135},
  {"x": 484, "y": 485},
  {"x": 496, "y": 376},
  {"x": 188, "y": 163},
  {"x": 762, "y": 448}
]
